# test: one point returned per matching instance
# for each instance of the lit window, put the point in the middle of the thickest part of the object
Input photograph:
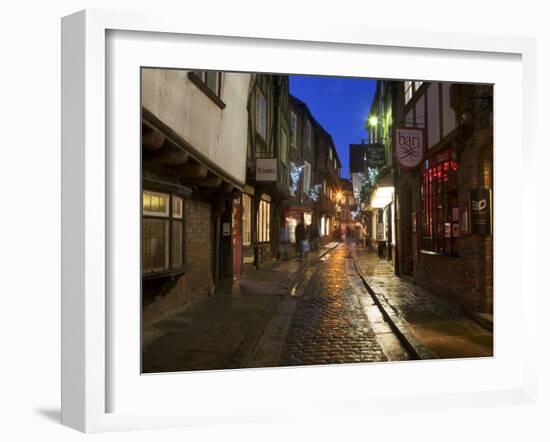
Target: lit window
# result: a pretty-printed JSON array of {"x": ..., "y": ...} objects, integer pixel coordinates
[
  {"x": 440, "y": 214},
  {"x": 162, "y": 232},
  {"x": 247, "y": 225},
  {"x": 263, "y": 221}
]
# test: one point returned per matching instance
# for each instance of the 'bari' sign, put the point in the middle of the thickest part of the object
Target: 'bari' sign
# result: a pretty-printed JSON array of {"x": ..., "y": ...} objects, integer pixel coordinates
[{"x": 409, "y": 147}]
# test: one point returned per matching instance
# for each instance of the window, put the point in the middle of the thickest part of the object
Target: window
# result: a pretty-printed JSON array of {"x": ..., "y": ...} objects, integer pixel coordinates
[
  {"x": 410, "y": 87},
  {"x": 293, "y": 128},
  {"x": 283, "y": 147},
  {"x": 440, "y": 206},
  {"x": 306, "y": 180},
  {"x": 330, "y": 154},
  {"x": 291, "y": 226},
  {"x": 162, "y": 232},
  {"x": 309, "y": 135},
  {"x": 210, "y": 82},
  {"x": 263, "y": 221},
  {"x": 247, "y": 216},
  {"x": 408, "y": 91},
  {"x": 261, "y": 115}
]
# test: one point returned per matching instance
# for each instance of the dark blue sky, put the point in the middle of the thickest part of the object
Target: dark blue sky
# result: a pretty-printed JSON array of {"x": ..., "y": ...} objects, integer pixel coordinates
[{"x": 340, "y": 105}]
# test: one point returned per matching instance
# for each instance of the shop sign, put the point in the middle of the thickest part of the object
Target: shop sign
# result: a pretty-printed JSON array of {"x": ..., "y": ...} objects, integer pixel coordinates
[
  {"x": 441, "y": 157},
  {"x": 266, "y": 169},
  {"x": 409, "y": 147},
  {"x": 480, "y": 211},
  {"x": 376, "y": 155},
  {"x": 226, "y": 229}
]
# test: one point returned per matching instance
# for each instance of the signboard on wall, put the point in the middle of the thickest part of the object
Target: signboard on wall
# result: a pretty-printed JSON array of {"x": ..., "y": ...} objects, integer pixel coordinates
[
  {"x": 409, "y": 147},
  {"x": 266, "y": 169},
  {"x": 480, "y": 211}
]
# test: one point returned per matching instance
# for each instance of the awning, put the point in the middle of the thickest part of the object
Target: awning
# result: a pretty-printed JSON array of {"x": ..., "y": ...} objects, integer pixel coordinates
[{"x": 381, "y": 197}]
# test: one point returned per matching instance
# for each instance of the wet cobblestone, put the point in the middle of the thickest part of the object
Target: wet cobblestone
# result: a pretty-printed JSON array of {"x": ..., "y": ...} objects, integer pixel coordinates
[{"x": 329, "y": 326}]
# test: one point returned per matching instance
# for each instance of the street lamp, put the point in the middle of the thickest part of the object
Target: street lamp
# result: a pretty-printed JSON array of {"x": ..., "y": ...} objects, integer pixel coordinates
[{"x": 373, "y": 121}]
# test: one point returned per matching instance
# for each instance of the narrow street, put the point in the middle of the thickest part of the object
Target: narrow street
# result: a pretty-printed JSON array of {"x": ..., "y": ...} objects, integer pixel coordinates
[
  {"x": 295, "y": 313},
  {"x": 289, "y": 239},
  {"x": 330, "y": 324}
]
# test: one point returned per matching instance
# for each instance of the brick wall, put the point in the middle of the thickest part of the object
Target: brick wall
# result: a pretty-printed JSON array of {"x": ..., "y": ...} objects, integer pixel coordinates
[
  {"x": 197, "y": 281},
  {"x": 467, "y": 279}
]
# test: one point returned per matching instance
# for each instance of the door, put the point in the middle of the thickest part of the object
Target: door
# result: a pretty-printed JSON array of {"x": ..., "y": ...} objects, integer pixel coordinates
[{"x": 236, "y": 236}]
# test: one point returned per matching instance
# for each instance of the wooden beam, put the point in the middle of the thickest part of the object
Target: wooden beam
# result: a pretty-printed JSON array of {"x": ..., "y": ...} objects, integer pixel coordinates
[
  {"x": 193, "y": 171},
  {"x": 152, "y": 139},
  {"x": 167, "y": 156},
  {"x": 210, "y": 182},
  {"x": 226, "y": 187}
]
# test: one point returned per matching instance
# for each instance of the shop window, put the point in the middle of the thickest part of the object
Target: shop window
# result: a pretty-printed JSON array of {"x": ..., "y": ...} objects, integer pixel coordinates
[
  {"x": 291, "y": 226},
  {"x": 247, "y": 225},
  {"x": 263, "y": 221},
  {"x": 162, "y": 232},
  {"x": 440, "y": 214}
]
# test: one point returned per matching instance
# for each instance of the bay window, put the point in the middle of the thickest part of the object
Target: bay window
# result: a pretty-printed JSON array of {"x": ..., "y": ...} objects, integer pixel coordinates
[{"x": 162, "y": 232}]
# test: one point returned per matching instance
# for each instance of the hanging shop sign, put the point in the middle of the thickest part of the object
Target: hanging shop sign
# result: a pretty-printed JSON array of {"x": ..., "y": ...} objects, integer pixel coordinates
[
  {"x": 409, "y": 147},
  {"x": 376, "y": 155},
  {"x": 266, "y": 169},
  {"x": 480, "y": 211},
  {"x": 363, "y": 156}
]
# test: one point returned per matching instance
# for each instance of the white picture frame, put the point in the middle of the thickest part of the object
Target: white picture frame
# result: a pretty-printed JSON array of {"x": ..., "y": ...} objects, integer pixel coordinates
[{"x": 87, "y": 210}]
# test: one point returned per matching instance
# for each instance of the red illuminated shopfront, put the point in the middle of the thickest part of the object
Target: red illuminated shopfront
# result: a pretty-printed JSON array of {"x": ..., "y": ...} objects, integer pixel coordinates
[{"x": 440, "y": 209}]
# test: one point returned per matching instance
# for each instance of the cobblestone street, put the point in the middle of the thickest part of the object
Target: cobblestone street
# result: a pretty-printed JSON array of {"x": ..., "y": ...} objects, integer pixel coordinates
[
  {"x": 329, "y": 325},
  {"x": 341, "y": 305}
]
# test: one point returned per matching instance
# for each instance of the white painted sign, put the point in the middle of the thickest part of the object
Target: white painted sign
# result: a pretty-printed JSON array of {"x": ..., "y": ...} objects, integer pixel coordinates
[
  {"x": 266, "y": 169},
  {"x": 409, "y": 147},
  {"x": 226, "y": 229}
]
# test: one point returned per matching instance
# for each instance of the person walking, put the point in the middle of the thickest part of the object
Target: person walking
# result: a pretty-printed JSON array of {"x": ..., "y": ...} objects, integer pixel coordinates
[
  {"x": 283, "y": 241},
  {"x": 301, "y": 239},
  {"x": 361, "y": 236},
  {"x": 314, "y": 230}
]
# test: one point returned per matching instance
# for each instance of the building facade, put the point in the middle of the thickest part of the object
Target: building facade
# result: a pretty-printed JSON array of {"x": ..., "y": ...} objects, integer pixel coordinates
[
  {"x": 442, "y": 208},
  {"x": 267, "y": 169},
  {"x": 194, "y": 144}
]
